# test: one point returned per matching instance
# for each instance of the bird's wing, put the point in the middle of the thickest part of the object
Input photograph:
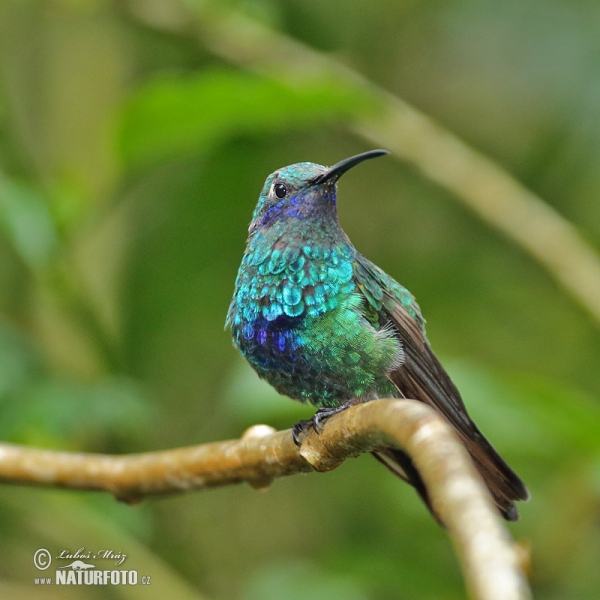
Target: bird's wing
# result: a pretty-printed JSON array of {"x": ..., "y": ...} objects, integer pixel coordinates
[{"x": 422, "y": 377}]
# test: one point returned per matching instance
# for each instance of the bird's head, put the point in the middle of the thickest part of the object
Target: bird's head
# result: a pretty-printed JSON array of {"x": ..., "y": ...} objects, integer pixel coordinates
[{"x": 303, "y": 191}]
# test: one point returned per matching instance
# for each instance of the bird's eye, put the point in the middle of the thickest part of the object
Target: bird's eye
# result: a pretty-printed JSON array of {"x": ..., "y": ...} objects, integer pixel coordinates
[{"x": 280, "y": 190}]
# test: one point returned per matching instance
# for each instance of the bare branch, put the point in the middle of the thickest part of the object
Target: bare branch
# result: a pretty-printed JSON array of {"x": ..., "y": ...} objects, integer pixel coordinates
[{"x": 489, "y": 559}]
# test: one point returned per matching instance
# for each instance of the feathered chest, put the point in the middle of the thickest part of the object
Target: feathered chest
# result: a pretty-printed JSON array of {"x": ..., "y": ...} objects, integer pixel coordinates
[{"x": 282, "y": 287}]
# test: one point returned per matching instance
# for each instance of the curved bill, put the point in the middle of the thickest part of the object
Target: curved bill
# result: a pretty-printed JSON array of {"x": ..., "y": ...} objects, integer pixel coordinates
[{"x": 335, "y": 172}]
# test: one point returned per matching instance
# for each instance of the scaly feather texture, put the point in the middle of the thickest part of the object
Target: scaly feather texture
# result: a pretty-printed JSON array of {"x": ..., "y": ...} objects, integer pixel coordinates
[{"x": 322, "y": 324}]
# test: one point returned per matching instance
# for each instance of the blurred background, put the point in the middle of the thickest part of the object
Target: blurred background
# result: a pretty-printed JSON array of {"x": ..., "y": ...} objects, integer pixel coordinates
[{"x": 131, "y": 157}]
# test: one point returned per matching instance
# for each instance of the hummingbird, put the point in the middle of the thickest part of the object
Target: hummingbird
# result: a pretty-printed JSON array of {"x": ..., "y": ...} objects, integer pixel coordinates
[{"x": 324, "y": 325}]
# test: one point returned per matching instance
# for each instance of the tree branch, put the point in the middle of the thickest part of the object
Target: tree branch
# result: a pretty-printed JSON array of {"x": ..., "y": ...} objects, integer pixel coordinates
[{"x": 459, "y": 496}]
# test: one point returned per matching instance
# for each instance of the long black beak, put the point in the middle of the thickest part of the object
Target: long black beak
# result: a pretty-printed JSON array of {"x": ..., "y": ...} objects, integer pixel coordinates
[{"x": 335, "y": 172}]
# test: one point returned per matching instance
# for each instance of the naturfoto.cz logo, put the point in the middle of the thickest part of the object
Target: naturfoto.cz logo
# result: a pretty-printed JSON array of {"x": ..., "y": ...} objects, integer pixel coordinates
[{"x": 80, "y": 572}]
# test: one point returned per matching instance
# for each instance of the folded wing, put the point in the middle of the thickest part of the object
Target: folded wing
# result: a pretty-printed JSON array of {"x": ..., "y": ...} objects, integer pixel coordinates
[{"x": 422, "y": 377}]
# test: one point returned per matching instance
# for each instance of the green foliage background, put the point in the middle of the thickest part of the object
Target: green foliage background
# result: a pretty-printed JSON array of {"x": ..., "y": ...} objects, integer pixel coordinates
[{"x": 131, "y": 157}]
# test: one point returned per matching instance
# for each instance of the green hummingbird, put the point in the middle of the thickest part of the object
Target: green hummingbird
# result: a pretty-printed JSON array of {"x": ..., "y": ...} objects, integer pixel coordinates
[{"x": 323, "y": 324}]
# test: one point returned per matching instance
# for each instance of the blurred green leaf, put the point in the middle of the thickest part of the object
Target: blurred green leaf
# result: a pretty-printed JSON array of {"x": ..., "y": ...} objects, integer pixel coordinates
[
  {"x": 26, "y": 220},
  {"x": 18, "y": 362},
  {"x": 170, "y": 115},
  {"x": 58, "y": 412}
]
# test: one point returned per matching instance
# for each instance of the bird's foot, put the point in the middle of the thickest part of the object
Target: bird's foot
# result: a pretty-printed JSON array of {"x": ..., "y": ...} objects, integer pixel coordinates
[{"x": 317, "y": 422}]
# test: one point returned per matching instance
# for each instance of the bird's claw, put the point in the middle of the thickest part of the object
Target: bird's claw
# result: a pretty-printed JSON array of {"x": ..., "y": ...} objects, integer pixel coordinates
[
  {"x": 301, "y": 428},
  {"x": 317, "y": 422}
]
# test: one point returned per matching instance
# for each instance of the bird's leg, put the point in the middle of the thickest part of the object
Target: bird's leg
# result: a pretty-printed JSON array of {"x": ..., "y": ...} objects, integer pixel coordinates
[{"x": 302, "y": 427}]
